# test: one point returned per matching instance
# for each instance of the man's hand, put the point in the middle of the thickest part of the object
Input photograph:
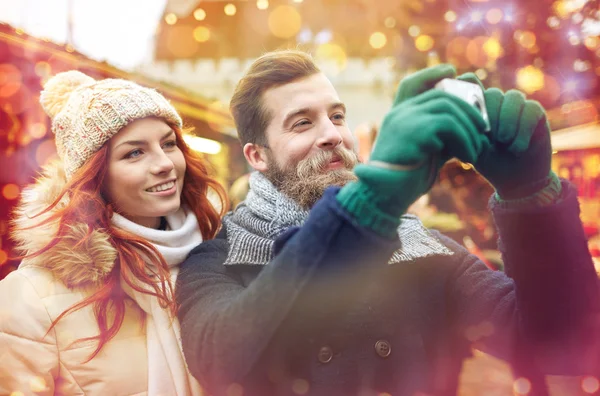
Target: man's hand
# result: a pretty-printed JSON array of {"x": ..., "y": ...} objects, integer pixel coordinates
[
  {"x": 517, "y": 163},
  {"x": 424, "y": 129}
]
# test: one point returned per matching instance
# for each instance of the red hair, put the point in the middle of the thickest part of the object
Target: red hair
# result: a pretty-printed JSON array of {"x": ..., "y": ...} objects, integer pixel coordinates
[{"x": 87, "y": 205}]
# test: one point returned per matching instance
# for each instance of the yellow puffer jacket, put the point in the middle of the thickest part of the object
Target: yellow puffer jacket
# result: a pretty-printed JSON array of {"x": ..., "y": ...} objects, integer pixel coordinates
[{"x": 35, "y": 363}]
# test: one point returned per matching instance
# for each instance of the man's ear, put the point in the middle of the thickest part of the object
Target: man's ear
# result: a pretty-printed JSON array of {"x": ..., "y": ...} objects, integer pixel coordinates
[{"x": 256, "y": 156}]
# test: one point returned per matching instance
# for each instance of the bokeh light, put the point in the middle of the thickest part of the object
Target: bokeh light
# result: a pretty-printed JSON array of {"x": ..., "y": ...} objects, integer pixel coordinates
[
  {"x": 450, "y": 16},
  {"x": 494, "y": 16},
  {"x": 424, "y": 43},
  {"x": 37, "y": 384},
  {"x": 332, "y": 53},
  {"x": 43, "y": 69},
  {"x": 414, "y": 31},
  {"x": 377, "y": 40},
  {"x": 285, "y": 21},
  {"x": 590, "y": 384},
  {"x": 262, "y": 4},
  {"x": 10, "y": 191},
  {"x": 300, "y": 386},
  {"x": 522, "y": 386},
  {"x": 199, "y": 14},
  {"x": 493, "y": 48},
  {"x": 591, "y": 42},
  {"x": 527, "y": 39},
  {"x": 553, "y": 22},
  {"x": 476, "y": 51},
  {"x": 201, "y": 34},
  {"x": 171, "y": 19},
  {"x": 481, "y": 74},
  {"x": 390, "y": 22},
  {"x": 530, "y": 79},
  {"x": 230, "y": 9}
]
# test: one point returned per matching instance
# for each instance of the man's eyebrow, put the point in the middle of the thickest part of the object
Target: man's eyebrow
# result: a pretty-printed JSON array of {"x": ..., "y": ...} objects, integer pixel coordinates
[
  {"x": 143, "y": 142},
  {"x": 338, "y": 105},
  {"x": 294, "y": 113}
]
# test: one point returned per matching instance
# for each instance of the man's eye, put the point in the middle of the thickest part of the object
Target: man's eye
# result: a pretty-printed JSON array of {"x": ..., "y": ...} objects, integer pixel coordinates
[
  {"x": 339, "y": 116},
  {"x": 302, "y": 123}
]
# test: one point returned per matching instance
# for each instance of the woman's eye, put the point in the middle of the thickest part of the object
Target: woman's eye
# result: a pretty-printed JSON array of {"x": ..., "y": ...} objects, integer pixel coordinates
[
  {"x": 170, "y": 144},
  {"x": 133, "y": 154}
]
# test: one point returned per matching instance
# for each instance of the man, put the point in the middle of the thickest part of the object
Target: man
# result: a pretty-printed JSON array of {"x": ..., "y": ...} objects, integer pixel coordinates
[{"x": 333, "y": 291}]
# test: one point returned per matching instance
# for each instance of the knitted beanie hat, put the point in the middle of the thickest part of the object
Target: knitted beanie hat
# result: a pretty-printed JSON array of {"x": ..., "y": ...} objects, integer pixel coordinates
[{"x": 86, "y": 113}]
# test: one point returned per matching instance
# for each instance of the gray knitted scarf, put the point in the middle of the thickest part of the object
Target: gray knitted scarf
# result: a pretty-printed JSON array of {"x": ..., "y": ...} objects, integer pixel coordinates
[{"x": 255, "y": 224}]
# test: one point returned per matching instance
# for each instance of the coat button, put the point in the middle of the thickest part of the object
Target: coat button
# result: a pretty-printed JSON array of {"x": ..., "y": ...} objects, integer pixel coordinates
[
  {"x": 383, "y": 348},
  {"x": 325, "y": 354}
]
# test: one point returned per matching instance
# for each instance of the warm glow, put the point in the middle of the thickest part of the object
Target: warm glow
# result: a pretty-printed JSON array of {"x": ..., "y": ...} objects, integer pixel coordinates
[
  {"x": 285, "y": 21},
  {"x": 424, "y": 43},
  {"x": 590, "y": 384},
  {"x": 202, "y": 145},
  {"x": 481, "y": 74},
  {"x": 414, "y": 31},
  {"x": 494, "y": 16},
  {"x": 199, "y": 14},
  {"x": 553, "y": 22},
  {"x": 527, "y": 39},
  {"x": 522, "y": 386},
  {"x": 37, "y": 130},
  {"x": 262, "y": 4},
  {"x": 591, "y": 42},
  {"x": 329, "y": 53},
  {"x": 230, "y": 9},
  {"x": 530, "y": 79},
  {"x": 560, "y": 9},
  {"x": 377, "y": 40},
  {"x": 42, "y": 69},
  {"x": 574, "y": 40},
  {"x": 492, "y": 48},
  {"x": 171, "y": 19},
  {"x": 390, "y": 22},
  {"x": 201, "y": 34},
  {"x": 450, "y": 16},
  {"x": 300, "y": 386},
  {"x": 10, "y": 191}
]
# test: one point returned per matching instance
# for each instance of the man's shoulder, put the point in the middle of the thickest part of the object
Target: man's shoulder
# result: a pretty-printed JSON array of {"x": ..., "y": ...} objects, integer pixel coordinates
[{"x": 212, "y": 247}]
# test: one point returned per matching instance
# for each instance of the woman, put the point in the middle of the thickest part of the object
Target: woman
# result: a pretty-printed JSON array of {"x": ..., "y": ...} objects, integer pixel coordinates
[{"x": 103, "y": 230}]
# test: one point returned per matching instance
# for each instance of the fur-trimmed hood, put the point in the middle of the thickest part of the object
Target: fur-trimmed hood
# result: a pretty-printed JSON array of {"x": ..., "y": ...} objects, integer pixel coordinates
[{"x": 74, "y": 263}]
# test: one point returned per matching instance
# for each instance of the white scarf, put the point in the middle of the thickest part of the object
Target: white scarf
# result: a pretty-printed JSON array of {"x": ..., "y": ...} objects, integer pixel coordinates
[{"x": 167, "y": 370}]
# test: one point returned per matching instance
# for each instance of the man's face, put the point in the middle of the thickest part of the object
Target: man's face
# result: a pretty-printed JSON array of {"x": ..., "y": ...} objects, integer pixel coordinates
[{"x": 310, "y": 147}]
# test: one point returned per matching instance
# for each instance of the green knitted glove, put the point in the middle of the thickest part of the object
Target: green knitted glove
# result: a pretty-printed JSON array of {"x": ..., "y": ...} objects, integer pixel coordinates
[
  {"x": 517, "y": 163},
  {"x": 421, "y": 132}
]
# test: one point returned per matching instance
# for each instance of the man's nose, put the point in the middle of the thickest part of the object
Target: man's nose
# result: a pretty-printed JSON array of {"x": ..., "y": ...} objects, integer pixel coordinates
[{"x": 330, "y": 136}]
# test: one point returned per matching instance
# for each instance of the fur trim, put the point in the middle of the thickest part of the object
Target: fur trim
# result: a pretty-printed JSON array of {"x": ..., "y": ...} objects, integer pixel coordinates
[{"x": 74, "y": 263}]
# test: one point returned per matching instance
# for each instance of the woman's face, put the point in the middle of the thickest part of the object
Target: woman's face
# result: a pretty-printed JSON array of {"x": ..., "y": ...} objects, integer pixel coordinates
[{"x": 145, "y": 171}]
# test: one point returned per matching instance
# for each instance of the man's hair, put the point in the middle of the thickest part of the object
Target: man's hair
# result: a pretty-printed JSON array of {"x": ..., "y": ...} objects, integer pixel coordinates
[{"x": 270, "y": 70}]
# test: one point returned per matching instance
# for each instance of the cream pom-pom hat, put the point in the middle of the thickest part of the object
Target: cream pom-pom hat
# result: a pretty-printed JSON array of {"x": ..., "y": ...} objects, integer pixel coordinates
[{"x": 86, "y": 113}]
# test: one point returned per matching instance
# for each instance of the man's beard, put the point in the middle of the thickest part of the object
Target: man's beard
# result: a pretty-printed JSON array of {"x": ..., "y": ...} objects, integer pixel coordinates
[{"x": 306, "y": 182}]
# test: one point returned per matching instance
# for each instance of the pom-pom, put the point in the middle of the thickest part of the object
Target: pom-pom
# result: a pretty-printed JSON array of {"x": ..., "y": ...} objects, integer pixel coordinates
[{"x": 58, "y": 89}]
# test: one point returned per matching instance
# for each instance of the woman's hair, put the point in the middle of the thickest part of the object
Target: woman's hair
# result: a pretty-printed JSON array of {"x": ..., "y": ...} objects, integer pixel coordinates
[{"x": 87, "y": 205}]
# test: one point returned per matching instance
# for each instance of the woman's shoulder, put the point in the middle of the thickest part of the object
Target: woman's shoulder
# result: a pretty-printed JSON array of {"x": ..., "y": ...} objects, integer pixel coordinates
[{"x": 34, "y": 279}]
